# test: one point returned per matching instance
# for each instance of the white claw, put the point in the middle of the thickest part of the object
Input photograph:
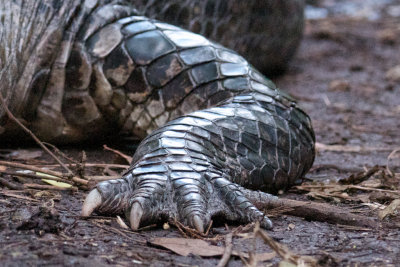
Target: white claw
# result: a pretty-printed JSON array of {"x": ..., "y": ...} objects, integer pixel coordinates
[
  {"x": 135, "y": 216},
  {"x": 266, "y": 223},
  {"x": 198, "y": 223},
  {"x": 92, "y": 201}
]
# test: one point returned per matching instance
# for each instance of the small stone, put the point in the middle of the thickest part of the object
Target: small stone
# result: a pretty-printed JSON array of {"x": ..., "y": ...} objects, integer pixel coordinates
[
  {"x": 393, "y": 74},
  {"x": 339, "y": 86}
]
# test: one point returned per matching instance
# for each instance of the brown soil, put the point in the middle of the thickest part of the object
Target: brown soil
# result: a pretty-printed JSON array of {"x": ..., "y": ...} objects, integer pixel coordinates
[{"x": 340, "y": 78}]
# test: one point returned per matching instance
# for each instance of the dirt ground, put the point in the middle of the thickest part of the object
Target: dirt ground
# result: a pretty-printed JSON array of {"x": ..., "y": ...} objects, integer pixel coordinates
[{"x": 346, "y": 79}]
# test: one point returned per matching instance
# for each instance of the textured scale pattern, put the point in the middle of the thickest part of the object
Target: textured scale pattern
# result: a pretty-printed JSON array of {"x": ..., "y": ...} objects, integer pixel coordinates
[
  {"x": 274, "y": 29},
  {"x": 221, "y": 125},
  {"x": 213, "y": 126}
]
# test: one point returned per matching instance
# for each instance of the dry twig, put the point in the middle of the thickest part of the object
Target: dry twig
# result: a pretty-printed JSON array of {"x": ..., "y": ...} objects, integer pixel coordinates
[
  {"x": 34, "y": 137},
  {"x": 315, "y": 211},
  {"x": 35, "y": 176},
  {"x": 361, "y": 176},
  {"x": 75, "y": 179},
  {"x": 119, "y": 153},
  {"x": 227, "y": 252},
  {"x": 59, "y": 152},
  {"x": 48, "y": 187},
  {"x": 391, "y": 155},
  {"x": 96, "y": 165},
  {"x": 10, "y": 185},
  {"x": 187, "y": 231},
  {"x": 283, "y": 251}
]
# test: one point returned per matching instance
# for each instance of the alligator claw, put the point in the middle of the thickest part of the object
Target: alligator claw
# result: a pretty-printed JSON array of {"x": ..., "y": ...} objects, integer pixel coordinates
[
  {"x": 266, "y": 223},
  {"x": 135, "y": 216},
  {"x": 220, "y": 197},
  {"x": 92, "y": 202},
  {"x": 198, "y": 223}
]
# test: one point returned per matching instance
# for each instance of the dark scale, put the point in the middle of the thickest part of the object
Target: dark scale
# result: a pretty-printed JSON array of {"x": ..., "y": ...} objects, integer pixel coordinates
[
  {"x": 205, "y": 73},
  {"x": 138, "y": 27},
  {"x": 218, "y": 97},
  {"x": 197, "y": 55},
  {"x": 233, "y": 69},
  {"x": 117, "y": 66},
  {"x": 148, "y": 46},
  {"x": 213, "y": 122},
  {"x": 136, "y": 87},
  {"x": 172, "y": 96},
  {"x": 163, "y": 70}
]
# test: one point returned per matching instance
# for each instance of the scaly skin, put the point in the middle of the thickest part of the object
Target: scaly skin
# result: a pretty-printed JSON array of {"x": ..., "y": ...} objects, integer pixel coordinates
[
  {"x": 266, "y": 33},
  {"x": 215, "y": 125}
]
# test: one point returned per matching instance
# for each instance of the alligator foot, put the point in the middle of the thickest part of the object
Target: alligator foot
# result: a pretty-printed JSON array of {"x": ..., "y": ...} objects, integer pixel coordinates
[{"x": 191, "y": 198}]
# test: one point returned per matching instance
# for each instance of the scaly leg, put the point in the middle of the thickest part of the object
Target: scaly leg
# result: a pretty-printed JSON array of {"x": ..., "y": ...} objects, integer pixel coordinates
[{"x": 245, "y": 132}]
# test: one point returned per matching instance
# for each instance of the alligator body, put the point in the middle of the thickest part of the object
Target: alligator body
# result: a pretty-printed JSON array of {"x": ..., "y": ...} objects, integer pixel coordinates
[{"x": 212, "y": 124}]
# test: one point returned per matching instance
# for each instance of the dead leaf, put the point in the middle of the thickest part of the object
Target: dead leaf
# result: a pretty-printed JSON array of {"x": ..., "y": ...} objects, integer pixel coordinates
[
  {"x": 392, "y": 209},
  {"x": 186, "y": 246}
]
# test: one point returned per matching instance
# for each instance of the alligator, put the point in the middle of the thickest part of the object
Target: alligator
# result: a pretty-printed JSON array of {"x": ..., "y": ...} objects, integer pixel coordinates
[{"x": 216, "y": 133}]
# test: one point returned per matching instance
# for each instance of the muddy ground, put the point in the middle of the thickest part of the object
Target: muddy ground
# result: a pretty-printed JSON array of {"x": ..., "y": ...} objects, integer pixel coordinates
[{"x": 344, "y": 77}]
